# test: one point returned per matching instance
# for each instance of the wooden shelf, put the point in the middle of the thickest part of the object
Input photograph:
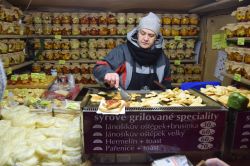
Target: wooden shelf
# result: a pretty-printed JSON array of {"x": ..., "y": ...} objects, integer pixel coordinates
[
  {"x": 19, "y": 66},
  {"x": 74, "y": 37},
  {"x": 182, "y": 37},
  {"x": 13, "y": 36},
  {"x": 243, "y": 80},
  {"x": 70, "y": 61},
  {"x": 184, "y": 61},
  {"x": 247, "y": 39},
  {"x": 176, "y": 84}
]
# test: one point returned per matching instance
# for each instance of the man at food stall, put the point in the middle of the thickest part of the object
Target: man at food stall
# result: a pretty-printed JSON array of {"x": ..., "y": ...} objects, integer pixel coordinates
[{"x": 140, "y": 63}]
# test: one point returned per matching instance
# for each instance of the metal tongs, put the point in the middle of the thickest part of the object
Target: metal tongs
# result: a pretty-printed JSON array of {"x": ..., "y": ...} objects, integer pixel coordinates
[{"x": 125, "y": 96}]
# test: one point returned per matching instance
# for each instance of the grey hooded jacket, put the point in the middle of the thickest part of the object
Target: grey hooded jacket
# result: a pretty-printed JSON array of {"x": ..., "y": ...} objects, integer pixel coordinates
[{"x": 119, "y": 60}]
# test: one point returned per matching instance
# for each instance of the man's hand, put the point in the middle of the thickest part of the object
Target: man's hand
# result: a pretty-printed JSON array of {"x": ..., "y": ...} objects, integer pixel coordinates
[{"x": 112, "y": 79}]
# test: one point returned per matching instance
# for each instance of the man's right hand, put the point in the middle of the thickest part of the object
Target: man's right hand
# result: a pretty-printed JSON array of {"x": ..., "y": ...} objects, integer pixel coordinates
[{"x": 112, "y": 79}]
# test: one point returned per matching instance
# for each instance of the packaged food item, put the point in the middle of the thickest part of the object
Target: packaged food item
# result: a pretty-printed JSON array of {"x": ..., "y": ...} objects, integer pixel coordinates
[
  {"x": 48, "y": 55},
  {"x": 193, "y": 30},
  {"x": 47, "y": 29},
  {"x": 48, "y": 44},
  {"x": 38, "y": 29},
  {"x": 110, "y": 43},
  {"x": 75, "y": 29},
  {"x": 247, "y": 56},
  {"x": 230, "y": 30},
  {"x": 65, "y": 55},
  {"x": 84, "y": 18},
  {"x": 94, "y": 30},
  {"x": 241, "y": 30},
  {"x": 2, "y": 13},
  {"x": 75, "y": 54},
  {"x": 121, "y": 30},
  {"x": 92, "y": 43},
  {"x": 119, "y": 41},
  {"x": 93, "y": 18},
  {"x": 84, "y": 44},
  {"x": 103, "y": 18},
  {"x": 3, "y": 47},
  {"x": 84, "y": 53},
  {"x": 190, "y": 43},
  {"x": 112, "y": 30},
  {"x": 180, "y": 44},
  {"x": 66, "y": 30},
  {"x": 58, "y": 68},
  {"x": 103, "y": 30},
  {"x": 65, "y": 44},
  {"x": 175, "y": 31},
  {"x": 184, "y": 30},
  {"x": 56, "y": 18},
  {"x": 6, "y": 60},
  {"x": 194, "y": 19},
  {"x": 121, "y": 18},
  {"x": 131, "y": 18},
  {"x": 197, "y": 69},
  {"x": 74, "y": 18},
  {"x": 166, "y": 30},
  {"x": 75, "y": 68},
  {"x": 180, "y": 54},
  {"x": 172, "y": 54},
  {"x": 84, "y": 30},
  {"x": 189, "y": 54},
  {"x": 176, "y": 19},
  {"x": 166, "y": 19},
  {"x": 56, "y": 29},
  {"x": 47, "y": 68},
  {"x": 111, "y": 18},
  {"x": 56, "y": 44},
  {"x": 101, "y": 53},
  {"x": 84, "y": 68},
  {"x": 17, "y": 13},
  {"x": 74, "y": 43},
  {"x": 65, "y": 18},
  {"x": 130, "y": 28},
  {"x": 37, "y": 17},
  {"x": 11, "y": 45},
  {"x": 66, "y": 68},
  {"x": 100, "y": 43},
  {"x": 185, "y": 19},
  {"x": 172, "y": 44},
  {"x": 92, "y": 54},
  {"x": 188, "y": 68},
  {"x": 46, "y": 18},
  {"x": 240, "y": 14},
  {"x": 246, "y": 71},
  {"x": 91, "y": 67}
]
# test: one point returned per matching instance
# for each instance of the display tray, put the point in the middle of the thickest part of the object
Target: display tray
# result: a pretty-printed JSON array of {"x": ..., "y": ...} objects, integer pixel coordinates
[
  {"x": 160, "y": 129},
  {"x": 50, "y": 80}
]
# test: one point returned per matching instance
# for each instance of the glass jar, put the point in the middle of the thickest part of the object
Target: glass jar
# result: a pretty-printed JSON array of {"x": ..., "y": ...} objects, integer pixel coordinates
[
  {"x": 84, "y": 53},
  {"x": 57, "y": 17},
  {"x": 121, "y": 30},
  {"x": 101, "y": 43},
  {"x": 84, "y": 30},
  {"x": 121, "y": 18},
  {"x": 193, "y": 30},
  {"x": 65, "y": 55},
  {"x": 37, "y": 18},
  {"x": 230, "y": 30},
  {"x": 36, "y": 68},
  {"x": 175, "y": 31},
  {"x": 194, "y": 19},
  {"x": 184, "y": 29},
  {"x": 49, "y": 55},
  {"x": 111, "y": 18},
  {"x": 38, "y": 29},
  {"x": 65, "y": 44},
  {"x": 46, "y": 18},
  {"x": 75, "y": 29},
  {"x": 240, "y": 30},
  {"x": 66, "y": 30},
  {"x": 84, "y": 18},
  {"x": 56, "y": 29},
  {"x": 92, "y": 43},
  {"x": 75, "y": 54},
  {"x": 103, "y": 30},
  {"x": 75, "y": 18},
  {"x": 57, "y": 44},
  {"x": 74, "y": 43},
  {"x": 131, "y": 18},
  {"x": 65, "y": 18},
  {"x": 112, "y": 30},
  {"x": 48, "y": 44},
  {"x": 47, "y": 29},
  {"x": 94, "y": 30},
  {"x": 166, "y": 19},
  {"x": 190, "y": 43},
  {"x": 57, "y": 54},
  {"x": 166, "y": 30},
  {"x": 92, "y": 54},
  {"x": 241, "y": 14},
  {"x": 110, "y": 43},
  {"x": 176, "y": 20},
  {"x": 185, "y": 19},
  {"x": 84, "y": 44},
  {"x": 93, "y": 18},
  {"x": 103, "y": 18}
]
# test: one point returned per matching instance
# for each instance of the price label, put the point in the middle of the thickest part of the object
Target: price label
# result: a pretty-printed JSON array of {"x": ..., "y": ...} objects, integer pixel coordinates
[
  {"x": 177, "y": 38},
  {"x": 9, "y": 71},
  {"x": 241, "y": 41},
  {"x": 237, "y": 77},
  {"x": 14, "y": 77},
  {"x": 34, "y": 75},
  {"x": 61, "y": 62},
  {"x": 59, "y": 37},
  {"x": 24, "y": 76},
  {"x": 177, "y": 62}
]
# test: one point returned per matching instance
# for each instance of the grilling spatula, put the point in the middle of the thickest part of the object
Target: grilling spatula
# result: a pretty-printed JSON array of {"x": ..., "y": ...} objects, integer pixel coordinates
[{"x": 125, "y": 96}]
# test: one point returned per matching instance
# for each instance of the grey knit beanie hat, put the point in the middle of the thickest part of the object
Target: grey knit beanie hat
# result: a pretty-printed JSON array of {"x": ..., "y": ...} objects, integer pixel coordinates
[{"x": 151, "y": 22}]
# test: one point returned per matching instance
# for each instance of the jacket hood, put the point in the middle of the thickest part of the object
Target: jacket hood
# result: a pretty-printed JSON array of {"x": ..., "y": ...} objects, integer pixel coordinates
[{"x": 132, "y": 37}]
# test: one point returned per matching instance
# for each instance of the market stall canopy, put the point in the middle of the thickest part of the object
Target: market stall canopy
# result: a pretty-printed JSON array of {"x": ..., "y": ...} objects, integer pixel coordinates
[{"x": 197, "y": 6}]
